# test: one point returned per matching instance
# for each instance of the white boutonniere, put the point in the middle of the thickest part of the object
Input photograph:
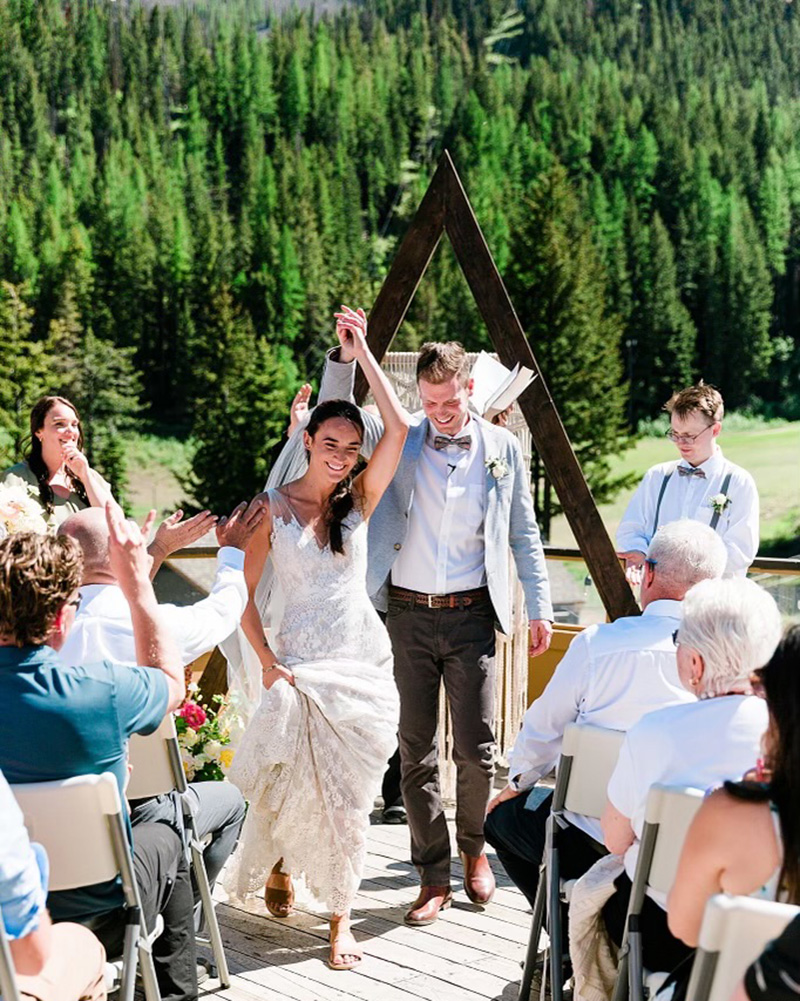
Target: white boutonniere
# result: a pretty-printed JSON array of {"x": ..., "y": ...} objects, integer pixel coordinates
[
  {"x": 719, "y": 502},
  {"x": 497, "y": 467}
]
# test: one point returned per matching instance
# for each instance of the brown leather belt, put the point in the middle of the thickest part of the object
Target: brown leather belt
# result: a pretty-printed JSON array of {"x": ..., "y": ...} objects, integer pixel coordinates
[{"x": 461, "y": 599}]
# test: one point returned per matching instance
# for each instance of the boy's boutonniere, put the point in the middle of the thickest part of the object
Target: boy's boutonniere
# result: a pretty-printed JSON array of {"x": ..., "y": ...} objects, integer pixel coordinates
[
  {"x": 719, "y": 502},
  {"x": 497, "y": 467}
]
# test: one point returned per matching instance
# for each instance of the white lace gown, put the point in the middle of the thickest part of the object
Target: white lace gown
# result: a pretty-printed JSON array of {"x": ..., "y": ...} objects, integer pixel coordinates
[{"x": 312, "y": 758}]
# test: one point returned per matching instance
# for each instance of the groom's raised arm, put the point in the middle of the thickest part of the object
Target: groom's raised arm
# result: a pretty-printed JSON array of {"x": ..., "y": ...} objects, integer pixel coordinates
[{"x": 338, "y": 381}]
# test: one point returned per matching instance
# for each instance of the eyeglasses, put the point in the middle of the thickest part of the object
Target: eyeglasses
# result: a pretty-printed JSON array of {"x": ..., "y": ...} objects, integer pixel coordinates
[
  {"x": 75, "y": 602},
  {"x": 651, "y": 563},
  {"x": 686, "y": 439},
  {"x": 675, "y": 637}
]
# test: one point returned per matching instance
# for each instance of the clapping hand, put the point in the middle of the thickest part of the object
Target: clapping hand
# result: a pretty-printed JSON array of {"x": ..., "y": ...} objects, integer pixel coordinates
[
  {"x": 173, "y": 534},
  {"x": 237, "y": 530},
  {"x": 351, "y": 329},
  {"x": 299, "y": 407}
]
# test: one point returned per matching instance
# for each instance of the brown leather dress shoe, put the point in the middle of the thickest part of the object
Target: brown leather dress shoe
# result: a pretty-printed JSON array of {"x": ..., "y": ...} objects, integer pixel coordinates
[
  {"x": 478, "y": 878},
  {"x": 425, "y": 909}
]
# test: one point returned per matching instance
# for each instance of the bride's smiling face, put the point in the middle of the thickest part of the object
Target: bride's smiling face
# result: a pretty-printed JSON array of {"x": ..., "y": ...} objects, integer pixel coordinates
[{"x": 334, "y": 448}]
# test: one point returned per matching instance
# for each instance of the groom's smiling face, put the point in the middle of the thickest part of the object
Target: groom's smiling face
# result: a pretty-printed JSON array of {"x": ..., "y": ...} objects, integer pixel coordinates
[{"x": 446, "y": 404}]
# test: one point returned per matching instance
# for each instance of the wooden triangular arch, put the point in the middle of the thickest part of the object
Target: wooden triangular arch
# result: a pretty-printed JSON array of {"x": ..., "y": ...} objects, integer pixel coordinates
[{"x": 445, "y": 208}]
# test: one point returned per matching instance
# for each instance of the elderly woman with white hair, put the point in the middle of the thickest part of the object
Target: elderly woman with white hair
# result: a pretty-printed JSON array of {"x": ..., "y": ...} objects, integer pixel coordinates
[{"x": 729, "y": 629}]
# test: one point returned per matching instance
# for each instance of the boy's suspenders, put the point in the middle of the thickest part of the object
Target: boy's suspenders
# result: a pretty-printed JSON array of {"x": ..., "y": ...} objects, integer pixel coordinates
[{"x": 667, "y": 476}]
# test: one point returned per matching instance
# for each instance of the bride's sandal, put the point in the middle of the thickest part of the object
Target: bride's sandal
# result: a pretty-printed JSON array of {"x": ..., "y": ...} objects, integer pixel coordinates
[
  {"x": 279, "y": 899},
  {"x": 346, "y": 953}
]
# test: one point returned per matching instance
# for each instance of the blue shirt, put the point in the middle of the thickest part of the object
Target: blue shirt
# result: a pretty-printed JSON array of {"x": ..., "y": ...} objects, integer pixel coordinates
[
  {"x": 22, "y": 883},
  {"x": 61, "y": 721}
]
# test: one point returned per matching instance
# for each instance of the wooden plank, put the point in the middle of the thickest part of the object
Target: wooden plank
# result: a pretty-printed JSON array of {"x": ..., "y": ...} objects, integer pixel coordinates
[
  {"x": 214, "y": 679},
  {"x": 549, "y": 435}
]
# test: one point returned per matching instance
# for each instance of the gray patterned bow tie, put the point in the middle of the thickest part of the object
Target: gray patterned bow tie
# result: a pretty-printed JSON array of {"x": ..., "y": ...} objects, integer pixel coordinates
[
  {"x": 442, "y": 441},
  {"x": 691, "y": 471}
]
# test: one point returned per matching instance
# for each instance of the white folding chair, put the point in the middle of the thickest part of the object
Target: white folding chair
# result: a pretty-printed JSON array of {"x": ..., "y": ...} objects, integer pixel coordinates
[
  {"x": 8, "y": 981},
  {"x": 668, "y": 813},
  {"x": 80, "y": 822},
  {"x": 733, "y": 934},
  {"x": 156, "y": 770},
  {"x": 588, "y": 757}
]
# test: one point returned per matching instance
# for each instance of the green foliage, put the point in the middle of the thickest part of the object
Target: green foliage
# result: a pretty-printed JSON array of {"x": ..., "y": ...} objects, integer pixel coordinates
[
  {"x": 156, "y": 160},
  {"x": 242, "y": 415},
  {"x": 558, "y": 283}
]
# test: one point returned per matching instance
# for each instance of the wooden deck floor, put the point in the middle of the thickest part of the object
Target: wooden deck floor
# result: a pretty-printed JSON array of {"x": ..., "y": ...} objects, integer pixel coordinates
[{"x": 469, "y": 954}]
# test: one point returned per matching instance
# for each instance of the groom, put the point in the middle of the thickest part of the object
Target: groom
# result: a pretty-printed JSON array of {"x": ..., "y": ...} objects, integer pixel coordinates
[{"x": 439, "y": 546}]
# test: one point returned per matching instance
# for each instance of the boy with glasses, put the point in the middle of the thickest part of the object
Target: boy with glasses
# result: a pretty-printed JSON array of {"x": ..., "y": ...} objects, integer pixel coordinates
[{"x": 702, "y": 485}]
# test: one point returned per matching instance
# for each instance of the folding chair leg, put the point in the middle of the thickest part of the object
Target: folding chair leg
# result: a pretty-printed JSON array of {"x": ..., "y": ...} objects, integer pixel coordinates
[
  {"x": 554, "y": 927},
  {"x": 537, "y": 922},
  {"x": 621, "y": 985},
  {"x": 130, "y": 956},
  {"x": 149, "y": 981},
  {"x": 635, "y": 961},
  {"x": 201, "y": 878}
]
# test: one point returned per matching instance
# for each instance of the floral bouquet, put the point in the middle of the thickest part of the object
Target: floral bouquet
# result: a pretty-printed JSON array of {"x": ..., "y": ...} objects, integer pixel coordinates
[
  {"x": 204, "y": 735},
  {"x": 19, "y": 512}
]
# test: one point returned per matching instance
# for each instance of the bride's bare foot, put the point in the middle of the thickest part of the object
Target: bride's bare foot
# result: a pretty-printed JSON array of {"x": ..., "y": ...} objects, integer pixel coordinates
[
  {"x": 346, "y": 953},
  {"x": 279, "y": 893}
]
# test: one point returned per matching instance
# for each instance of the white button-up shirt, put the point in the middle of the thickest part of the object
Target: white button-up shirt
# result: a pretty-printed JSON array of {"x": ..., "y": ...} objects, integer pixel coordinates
[
  {"x": 103, "y": 629},
  {"x": 611, "y": 675},
  {"x": 444, "y": 550},
  {"x": 698, "y": 745},
  {"x": 689, "y": 497}
]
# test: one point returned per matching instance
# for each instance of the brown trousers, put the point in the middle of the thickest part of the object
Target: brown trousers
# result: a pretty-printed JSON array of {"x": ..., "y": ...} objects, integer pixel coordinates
[
  {"x": 454, "y": 646},
  {"x": 74, "y": 970}
]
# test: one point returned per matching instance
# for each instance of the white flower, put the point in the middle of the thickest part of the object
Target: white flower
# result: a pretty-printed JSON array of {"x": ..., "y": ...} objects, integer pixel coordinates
[
  {"x": 189, "y": 738},
  {"x": 19, "y": 512},
  {"x": 719, "y": 502},
  {"x": 497, "y": 466},
  {"x": 213, "y": 749}
]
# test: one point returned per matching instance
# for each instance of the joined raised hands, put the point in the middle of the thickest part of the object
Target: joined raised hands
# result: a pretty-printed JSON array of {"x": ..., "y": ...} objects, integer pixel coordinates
[
  {"x": 351, "y": 329},
  {"x": 237, "y": 530}
]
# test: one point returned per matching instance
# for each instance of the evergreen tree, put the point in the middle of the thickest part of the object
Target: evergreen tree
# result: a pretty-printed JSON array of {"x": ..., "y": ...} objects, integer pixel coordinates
[
  {"x": 558, "y": 286},
  {"x": 242, "y": 416}
]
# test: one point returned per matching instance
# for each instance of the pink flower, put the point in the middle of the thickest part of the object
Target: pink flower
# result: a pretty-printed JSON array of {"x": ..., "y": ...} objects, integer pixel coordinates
[{"x": 194, "y": 715}]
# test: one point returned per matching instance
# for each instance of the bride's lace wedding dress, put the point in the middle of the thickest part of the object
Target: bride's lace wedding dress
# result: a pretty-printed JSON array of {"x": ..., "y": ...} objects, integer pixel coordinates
[{"x": 312, "y": 758}]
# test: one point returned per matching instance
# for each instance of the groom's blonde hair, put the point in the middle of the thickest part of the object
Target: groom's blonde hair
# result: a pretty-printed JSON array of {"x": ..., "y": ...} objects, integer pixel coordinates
[{"x": 437, "y": 362}]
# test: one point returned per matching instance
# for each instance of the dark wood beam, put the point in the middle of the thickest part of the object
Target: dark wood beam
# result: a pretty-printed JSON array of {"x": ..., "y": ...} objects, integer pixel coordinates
[
  {"x": 550, "y": 437},
  {"x": 409, "y": 265},
  {"x": 536, "y": 403}
]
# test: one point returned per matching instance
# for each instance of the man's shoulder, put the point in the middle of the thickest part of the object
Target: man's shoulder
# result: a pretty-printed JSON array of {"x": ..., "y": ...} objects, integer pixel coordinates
[{"x": 660, "y": 470}]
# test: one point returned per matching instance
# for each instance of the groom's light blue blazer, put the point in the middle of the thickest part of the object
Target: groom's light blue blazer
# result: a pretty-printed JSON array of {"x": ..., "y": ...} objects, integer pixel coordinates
[{"x": 510, "y": 527}]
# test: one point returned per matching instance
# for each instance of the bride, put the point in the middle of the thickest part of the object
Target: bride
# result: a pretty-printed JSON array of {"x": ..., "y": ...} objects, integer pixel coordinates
[{"x": 312, "y": 758}]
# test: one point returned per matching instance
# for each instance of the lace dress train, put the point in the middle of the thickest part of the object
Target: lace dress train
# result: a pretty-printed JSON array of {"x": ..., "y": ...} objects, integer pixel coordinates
[{"x": 312, "y": 758}]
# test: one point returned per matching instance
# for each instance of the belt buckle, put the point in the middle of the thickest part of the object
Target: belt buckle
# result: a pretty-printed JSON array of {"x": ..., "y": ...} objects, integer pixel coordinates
[{"x": 429, "y": 600}]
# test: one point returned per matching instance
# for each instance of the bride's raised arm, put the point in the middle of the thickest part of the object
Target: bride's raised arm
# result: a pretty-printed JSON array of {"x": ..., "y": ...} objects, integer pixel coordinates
[{"x": 351, "y": 329}]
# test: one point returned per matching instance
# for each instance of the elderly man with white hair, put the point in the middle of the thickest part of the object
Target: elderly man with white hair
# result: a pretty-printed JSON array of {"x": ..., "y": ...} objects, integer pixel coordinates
[
  {"x": 729, "y": 629},
  {"x": 611, "y": 676}
]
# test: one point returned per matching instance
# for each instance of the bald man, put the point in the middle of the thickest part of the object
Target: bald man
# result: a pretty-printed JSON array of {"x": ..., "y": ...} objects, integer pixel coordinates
[{"x": 103, "y": 631}]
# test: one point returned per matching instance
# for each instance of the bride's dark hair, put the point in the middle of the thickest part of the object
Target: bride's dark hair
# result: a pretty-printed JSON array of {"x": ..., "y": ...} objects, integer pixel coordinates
[
  {"x": 35, "y": 459},
  {"x": 341, "y": 500}
]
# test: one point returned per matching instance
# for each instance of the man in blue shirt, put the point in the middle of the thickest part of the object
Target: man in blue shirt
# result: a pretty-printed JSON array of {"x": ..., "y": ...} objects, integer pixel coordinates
[
  {"x": 63, "y": 962},
  {"x": 61, "y": 721}
]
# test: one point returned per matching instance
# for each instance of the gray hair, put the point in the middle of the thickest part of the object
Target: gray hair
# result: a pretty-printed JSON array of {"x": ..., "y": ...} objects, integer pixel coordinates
[
  {"x": 687, "y": 552},
  {"x": 735, "y": 626}
]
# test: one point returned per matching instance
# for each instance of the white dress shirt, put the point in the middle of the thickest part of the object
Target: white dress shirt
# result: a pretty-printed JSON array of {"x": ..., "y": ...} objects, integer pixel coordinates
[
  {"x": 103, "y": 628},
  {"x": 689, "y": 497},
  {"x": 698, "y": 745},
  {"x": 611, "y": 675},
  {"x": 444, "y": 551}
]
